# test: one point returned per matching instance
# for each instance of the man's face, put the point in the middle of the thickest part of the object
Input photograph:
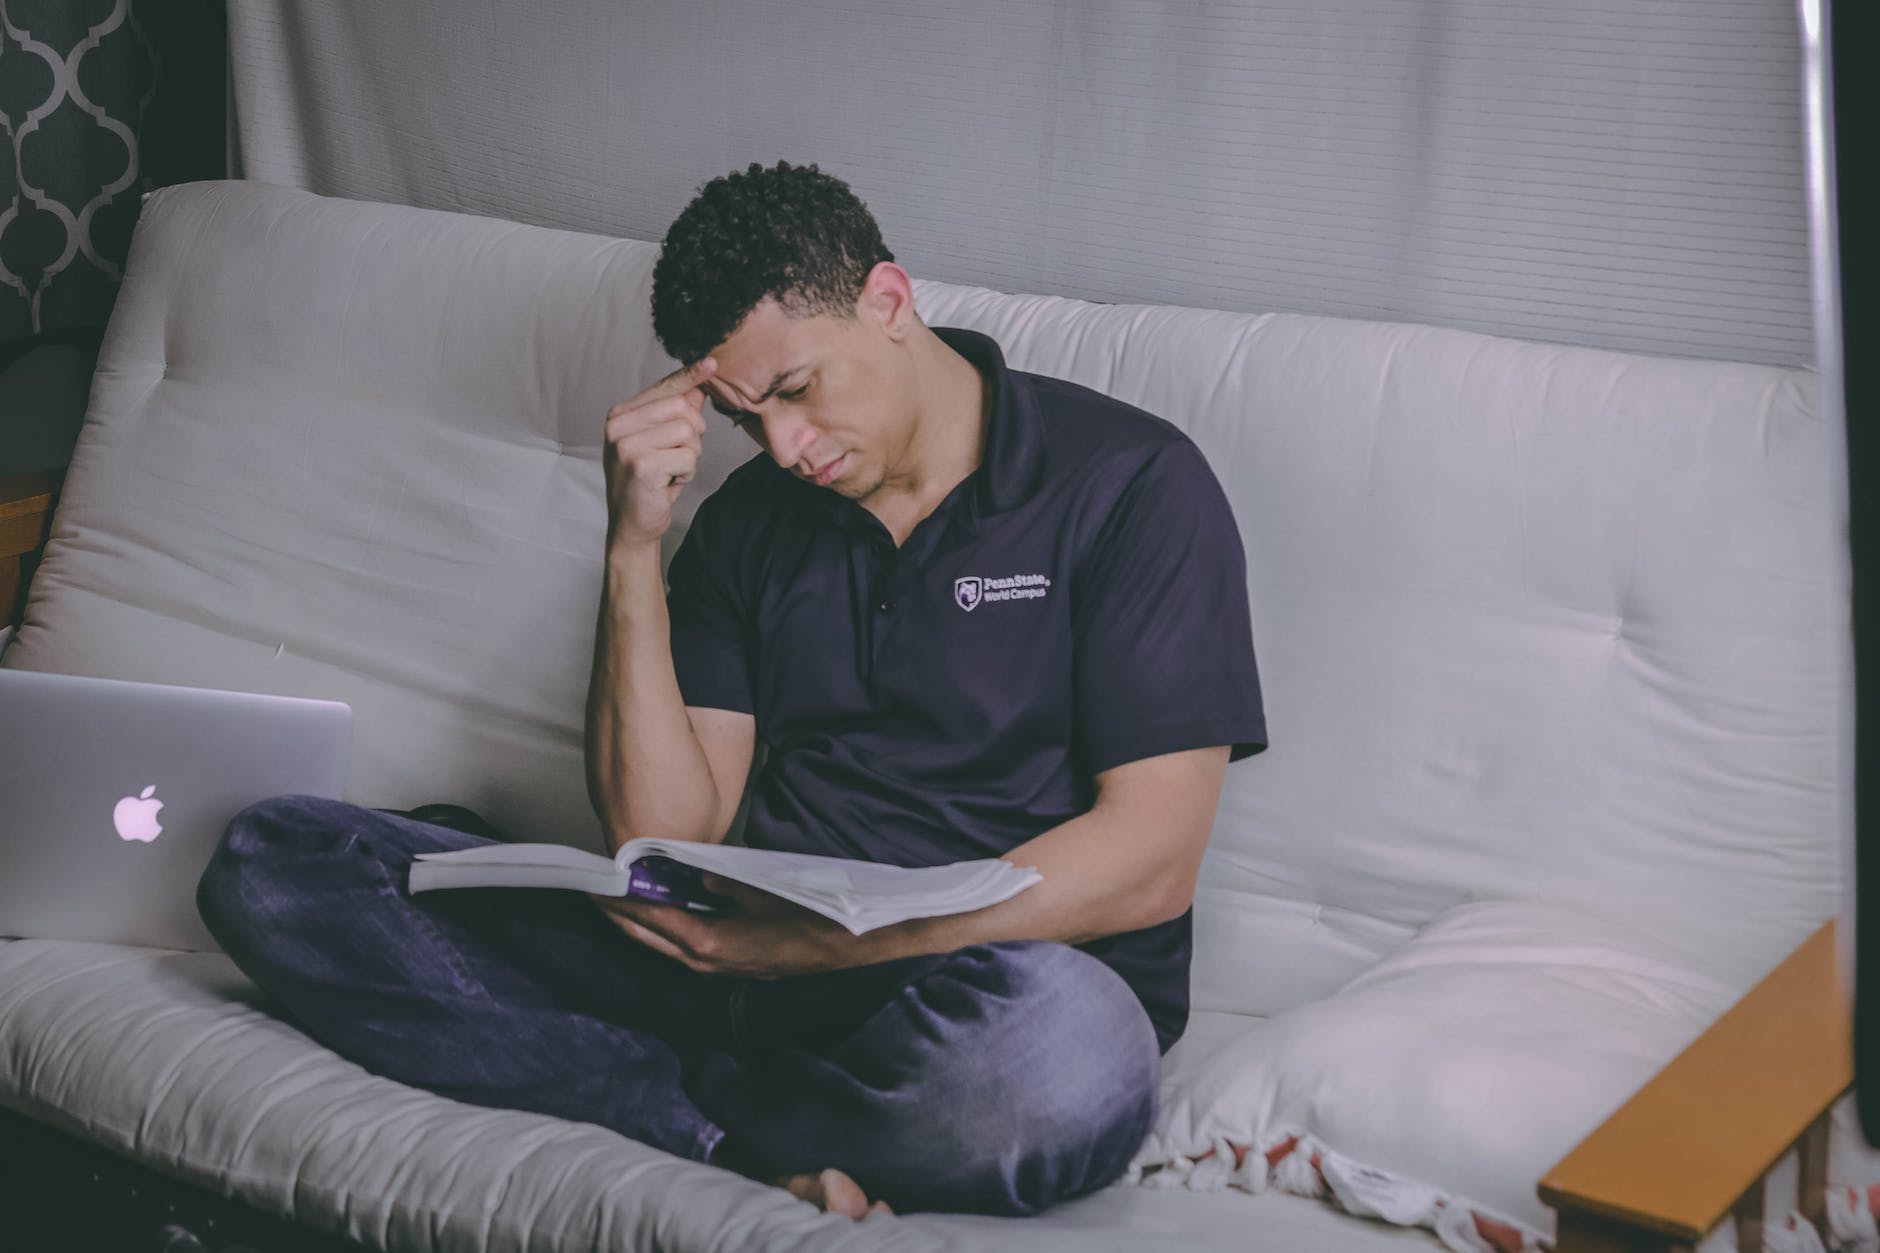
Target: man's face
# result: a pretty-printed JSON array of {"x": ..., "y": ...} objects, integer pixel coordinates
[{"x": 829, "y": 398}]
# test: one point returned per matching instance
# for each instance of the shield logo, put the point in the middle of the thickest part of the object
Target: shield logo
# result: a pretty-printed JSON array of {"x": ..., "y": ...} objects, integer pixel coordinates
[{"x": 966, "y": 592}]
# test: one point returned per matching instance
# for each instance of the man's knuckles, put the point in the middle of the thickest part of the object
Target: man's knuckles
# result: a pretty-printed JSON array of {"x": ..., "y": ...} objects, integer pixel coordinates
[
  {"x": 667, "y": 432},
  {"x": 702, "y": 945},
  {"x": 632, "y": 421},
  {"x": 650, "y": 409},
  {"x": 660, "y": 464},
  {"x": 631, "y": 450},
  {"x": 659, "y": 469}
]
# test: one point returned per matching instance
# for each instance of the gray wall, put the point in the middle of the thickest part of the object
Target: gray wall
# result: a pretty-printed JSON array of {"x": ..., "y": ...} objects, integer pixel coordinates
[{"x": 1597, "y": 172}]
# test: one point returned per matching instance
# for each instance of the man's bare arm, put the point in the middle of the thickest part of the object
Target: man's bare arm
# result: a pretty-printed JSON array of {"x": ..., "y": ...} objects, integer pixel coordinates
[
  {"x": 654, "y": 767},
  {"x": 1131, "y": 861}
]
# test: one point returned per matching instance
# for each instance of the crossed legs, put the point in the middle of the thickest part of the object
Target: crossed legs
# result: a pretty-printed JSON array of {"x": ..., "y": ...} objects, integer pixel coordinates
[{"x": 999, "y": 1078}]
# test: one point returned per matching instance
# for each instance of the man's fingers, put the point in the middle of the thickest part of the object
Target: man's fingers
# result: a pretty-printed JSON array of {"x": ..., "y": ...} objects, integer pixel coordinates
[
  {"x": 685, "y": 378},
  {"x": 680, "y": 389},
  {"x": 666, "y": 467},
  {"x": 627, "y": 918},
  {"x": 680, "y": 431},
  {"x": 642, "y": 410},
  {"x": 654, "y": 940}
]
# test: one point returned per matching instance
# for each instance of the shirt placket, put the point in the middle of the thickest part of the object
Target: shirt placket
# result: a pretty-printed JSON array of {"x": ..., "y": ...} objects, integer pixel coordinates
[
  {"x": 886, "y": 576},
  {"x": 887, "y": 566},
  {"x": 871, "y": 564}
]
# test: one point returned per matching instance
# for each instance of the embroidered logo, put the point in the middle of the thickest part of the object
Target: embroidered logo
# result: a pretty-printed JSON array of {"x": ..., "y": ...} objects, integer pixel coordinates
[{"x": 971, "y": 591}]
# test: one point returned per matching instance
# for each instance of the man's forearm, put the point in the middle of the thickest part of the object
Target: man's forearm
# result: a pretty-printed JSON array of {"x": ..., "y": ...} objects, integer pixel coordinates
[
  {"x": 1130, "y": 862},
  {"x": 1102, "y": 874},
  {"x": 647, "y": 773}
]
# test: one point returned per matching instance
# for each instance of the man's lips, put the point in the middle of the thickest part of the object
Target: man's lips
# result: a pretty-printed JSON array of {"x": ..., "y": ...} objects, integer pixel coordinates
[{"x": 827, "y": 472}]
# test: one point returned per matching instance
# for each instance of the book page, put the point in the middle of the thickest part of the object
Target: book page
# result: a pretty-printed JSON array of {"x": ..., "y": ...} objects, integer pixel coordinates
[{"x": 524, "y": 855}]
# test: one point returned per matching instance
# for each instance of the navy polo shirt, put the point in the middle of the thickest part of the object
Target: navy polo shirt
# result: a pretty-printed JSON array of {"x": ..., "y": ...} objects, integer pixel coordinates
[{"x": 1077, "y": 602}]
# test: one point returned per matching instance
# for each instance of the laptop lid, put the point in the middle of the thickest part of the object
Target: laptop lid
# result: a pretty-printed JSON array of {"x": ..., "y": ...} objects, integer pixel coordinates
[{"x": 113, "y": 795}]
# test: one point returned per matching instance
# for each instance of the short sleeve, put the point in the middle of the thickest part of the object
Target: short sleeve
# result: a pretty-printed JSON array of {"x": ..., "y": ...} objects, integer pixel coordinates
[
  {"x": 1163, "y": 635},
  {"x": 709, "y": 653}
]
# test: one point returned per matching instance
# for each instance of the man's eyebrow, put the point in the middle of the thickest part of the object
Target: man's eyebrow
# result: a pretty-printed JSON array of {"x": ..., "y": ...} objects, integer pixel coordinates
[{"x": 778, "y": 382}]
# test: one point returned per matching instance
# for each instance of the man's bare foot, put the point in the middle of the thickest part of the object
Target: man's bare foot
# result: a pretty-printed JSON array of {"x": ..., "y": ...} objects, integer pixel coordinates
[
  {"x": 834, "y": 1191},
  {"x": 831, "y": 1189}
]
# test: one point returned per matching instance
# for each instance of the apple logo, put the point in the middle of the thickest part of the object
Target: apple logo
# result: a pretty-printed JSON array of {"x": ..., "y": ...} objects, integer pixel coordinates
[{"x": 136, "y": 816}]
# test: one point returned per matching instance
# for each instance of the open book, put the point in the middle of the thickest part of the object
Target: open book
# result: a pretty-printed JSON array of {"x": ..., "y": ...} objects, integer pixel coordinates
[{"x": 861, "y": 895}]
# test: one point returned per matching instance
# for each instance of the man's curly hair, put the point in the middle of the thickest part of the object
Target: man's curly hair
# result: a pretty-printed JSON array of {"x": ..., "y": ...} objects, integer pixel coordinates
[{"x": 790, "y": 232}]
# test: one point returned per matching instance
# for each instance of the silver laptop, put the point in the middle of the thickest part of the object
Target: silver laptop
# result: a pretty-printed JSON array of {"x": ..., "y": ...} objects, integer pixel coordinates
[{"x": 113, "y": 795}]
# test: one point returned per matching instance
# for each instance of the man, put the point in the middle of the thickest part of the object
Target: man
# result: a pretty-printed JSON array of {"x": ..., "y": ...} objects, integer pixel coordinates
[{"x": 971, "y": 612}]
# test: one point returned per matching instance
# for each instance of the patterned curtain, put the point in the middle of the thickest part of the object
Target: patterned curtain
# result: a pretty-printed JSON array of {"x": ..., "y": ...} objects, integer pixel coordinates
[{"x": 76, "y": 82}]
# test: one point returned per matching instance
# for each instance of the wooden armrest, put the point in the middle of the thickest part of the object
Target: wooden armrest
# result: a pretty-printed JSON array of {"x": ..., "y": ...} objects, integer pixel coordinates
[
  {"x": 26, "y": 503},
  {"x": 1694, "y": 1141}
]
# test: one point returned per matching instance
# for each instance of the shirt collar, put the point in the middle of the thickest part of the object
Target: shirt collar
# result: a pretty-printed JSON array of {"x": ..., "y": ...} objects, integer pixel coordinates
[
  {"x": 1014, "y": 459},
  {"x": 1013, "y": 463}
]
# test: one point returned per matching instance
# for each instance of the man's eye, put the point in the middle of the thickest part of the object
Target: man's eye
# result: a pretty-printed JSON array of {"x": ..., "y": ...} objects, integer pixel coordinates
[{"x": 798, "y": 394}]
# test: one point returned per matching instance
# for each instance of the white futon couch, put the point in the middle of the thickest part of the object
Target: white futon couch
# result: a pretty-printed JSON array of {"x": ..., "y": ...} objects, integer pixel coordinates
[{"x": 1553, "y": 644}]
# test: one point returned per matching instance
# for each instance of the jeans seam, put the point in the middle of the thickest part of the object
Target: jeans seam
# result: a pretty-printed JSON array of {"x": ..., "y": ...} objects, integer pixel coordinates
[{"x": 442, "y": 945}]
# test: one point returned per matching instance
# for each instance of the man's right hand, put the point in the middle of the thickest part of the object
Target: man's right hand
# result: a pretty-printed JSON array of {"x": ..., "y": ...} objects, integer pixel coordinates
[{"x": 649, "y": 452}]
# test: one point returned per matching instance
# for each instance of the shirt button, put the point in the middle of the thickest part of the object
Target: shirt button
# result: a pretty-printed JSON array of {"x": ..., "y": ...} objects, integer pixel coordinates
[{"x": 886, "y": 605}]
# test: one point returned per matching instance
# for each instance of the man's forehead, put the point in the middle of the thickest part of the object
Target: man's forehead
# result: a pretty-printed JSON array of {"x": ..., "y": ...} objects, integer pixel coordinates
[{"x": 768, "y": 345}]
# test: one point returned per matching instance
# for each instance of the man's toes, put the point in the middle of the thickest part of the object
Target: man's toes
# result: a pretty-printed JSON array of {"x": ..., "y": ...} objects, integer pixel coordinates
[
  {"x": 841, "y": 1194},
  {"x": 832, "y": 1190}
]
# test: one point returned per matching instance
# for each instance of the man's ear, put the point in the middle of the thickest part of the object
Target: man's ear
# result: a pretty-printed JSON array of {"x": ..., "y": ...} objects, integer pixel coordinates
[{"x": 888, "y": 295}]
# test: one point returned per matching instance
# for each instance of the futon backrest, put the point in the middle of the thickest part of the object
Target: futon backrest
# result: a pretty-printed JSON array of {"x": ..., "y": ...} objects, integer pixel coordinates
[{"x": 1533, "y": 623}]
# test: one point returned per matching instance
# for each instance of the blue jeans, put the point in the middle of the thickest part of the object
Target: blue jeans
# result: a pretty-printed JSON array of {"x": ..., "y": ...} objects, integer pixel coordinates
[{"x": 998, "y": 1079}]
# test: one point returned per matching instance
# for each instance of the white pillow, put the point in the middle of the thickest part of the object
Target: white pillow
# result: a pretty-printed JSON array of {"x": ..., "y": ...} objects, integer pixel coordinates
[{"x": 1471, "y": 1059}]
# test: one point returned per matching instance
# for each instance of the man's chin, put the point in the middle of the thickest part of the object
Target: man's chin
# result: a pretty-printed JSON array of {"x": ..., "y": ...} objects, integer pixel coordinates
[
  {"x": 859, "y": 493},
  {"x": 850, "y": 484}
]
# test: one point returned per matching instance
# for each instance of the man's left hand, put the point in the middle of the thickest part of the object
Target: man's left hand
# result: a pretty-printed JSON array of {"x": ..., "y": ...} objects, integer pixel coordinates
[{"x": 759, "y": 936}]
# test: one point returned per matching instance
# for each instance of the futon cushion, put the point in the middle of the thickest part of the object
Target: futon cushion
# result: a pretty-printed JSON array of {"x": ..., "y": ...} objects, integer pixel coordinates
[
  {"x": 177, "y": 1060},
  {"x": 1471, "y": 1059}
]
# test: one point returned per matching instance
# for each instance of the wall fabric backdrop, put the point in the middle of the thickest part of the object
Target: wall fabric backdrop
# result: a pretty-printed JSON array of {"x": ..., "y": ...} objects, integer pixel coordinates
[{"x": 1598, "y": 172}]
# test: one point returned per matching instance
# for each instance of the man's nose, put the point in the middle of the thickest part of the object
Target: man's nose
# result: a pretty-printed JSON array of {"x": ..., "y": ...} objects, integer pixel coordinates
[{"x": 788, "y": 437}]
